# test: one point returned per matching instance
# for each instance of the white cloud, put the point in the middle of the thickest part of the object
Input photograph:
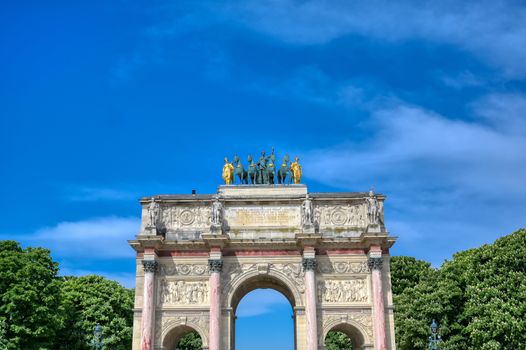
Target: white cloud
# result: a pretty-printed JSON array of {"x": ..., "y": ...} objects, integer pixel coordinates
[
  {"x": 505, "y": 112},
  {"x": 452, "y": 183},
  {"x": 261, "y": 301},
  {"x": 492, "y": 30},
  {"x": 99, "y": 238}
]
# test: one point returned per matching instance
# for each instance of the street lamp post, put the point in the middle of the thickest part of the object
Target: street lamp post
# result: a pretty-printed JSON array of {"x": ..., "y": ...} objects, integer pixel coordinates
[
  {"x": 97, "y": 338},
  {"x": 434, "y": 338}
]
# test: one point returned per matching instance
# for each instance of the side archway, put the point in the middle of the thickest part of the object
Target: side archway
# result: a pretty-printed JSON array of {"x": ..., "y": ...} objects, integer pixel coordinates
[
  {"x": 177, "y": 329},
  {"x": 355, "y": 331}
]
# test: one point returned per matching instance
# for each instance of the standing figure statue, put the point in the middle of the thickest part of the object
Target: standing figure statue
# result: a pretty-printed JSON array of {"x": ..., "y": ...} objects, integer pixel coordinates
[
  {"x": 262, "y": 169},
  {"x": 295, "y": 170},
  {"x": 252, "y": 170},
  {"x": 372, "y": 208},
  {"x": 240, "y": 171},
  {"x": 217, "y": 212},
  {"x": 228, "y": 172},
  {"x": 283, "y": 170},
  {"x": 307, "y": 212},
  {"x": 153, "y": 213}
]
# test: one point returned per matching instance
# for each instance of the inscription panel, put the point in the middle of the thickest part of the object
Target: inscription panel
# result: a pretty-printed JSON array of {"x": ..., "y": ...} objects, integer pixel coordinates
[{"x": 263, "y": 216}]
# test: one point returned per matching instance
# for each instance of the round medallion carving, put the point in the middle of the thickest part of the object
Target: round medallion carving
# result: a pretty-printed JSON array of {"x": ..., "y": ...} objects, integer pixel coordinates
[
  {"x": 186, "y": 217},
  {"x": 338, "y": 217}
]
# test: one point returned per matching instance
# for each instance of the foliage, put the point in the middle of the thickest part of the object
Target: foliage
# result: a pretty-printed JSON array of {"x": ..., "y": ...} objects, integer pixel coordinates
[
  {"x": 191, "y": 341},
  {"x": 39, "y": 310},
  {"x": 90, "y": 300},
  {"x": 336, "y": 340},
  {"x": 29, "y": 297},
  {"x": 478, "y": 298}
]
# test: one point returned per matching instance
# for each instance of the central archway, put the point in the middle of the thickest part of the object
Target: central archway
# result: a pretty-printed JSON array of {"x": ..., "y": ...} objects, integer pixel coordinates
[{"x": 252, "y": 283}]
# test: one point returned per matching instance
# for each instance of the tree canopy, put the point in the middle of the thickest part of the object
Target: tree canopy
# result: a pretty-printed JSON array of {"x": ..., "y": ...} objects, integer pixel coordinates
[
  {"x": 478, "y": 298},
  {"x": 39, "y": 310}
]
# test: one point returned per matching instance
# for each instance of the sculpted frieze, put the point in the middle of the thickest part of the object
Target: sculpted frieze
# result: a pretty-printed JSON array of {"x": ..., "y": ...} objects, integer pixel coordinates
[
  {"x": 179, "y": 217},
  {"x": 183, "y": 293},
  {"x": 346, "y": 291},
  {"x": 327, "y": 267},
  {"x": 350, "y": 215},
  {"x": 183, "y": 269}
]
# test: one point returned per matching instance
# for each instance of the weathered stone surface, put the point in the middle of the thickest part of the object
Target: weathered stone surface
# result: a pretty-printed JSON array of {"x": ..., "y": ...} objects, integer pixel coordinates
[{"x": 328, "y": 253}]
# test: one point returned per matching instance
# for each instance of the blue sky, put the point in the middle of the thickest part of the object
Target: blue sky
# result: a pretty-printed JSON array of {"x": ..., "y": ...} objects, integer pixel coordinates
[{"x": 102, "y": 102}]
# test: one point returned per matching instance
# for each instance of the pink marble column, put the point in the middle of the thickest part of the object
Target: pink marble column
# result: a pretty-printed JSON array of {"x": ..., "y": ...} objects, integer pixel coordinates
[
  {"x": 380, "y": 339},
  {"x": 150, "y": 266},
  {"x": 214, "y": 337},
  {"x": 309, "y": 264}
]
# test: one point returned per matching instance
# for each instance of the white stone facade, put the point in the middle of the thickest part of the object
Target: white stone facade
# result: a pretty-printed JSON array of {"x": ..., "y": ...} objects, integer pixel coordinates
[{"x": 260, "y": 238}]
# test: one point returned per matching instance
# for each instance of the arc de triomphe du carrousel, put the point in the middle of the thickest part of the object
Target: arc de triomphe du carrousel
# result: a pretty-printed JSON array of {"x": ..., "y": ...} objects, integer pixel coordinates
[{"x": 199, "y": 254}]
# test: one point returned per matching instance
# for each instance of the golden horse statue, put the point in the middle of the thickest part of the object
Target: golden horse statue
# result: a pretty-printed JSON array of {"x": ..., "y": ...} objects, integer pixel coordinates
[
  {"x": 228, "y": 172},
  {"x": 295, "y": 170}
]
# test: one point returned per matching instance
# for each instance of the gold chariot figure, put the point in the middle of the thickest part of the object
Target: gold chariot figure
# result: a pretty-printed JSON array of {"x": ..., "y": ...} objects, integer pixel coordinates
[
  {"x": 228, "y": 172},
  {"x": 295, "y": 170}
]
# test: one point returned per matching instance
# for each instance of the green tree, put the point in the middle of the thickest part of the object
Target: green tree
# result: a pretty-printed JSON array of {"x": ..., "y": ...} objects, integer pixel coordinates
[
  {"x": 337, "y": 340},
  {"x": 29, "y": 297},
  {"x": 407, "y": 272},
  {"x": 190, "y": 341},
  {"x": 478, "y": 298},
  {"x": 92, "y": 299}
]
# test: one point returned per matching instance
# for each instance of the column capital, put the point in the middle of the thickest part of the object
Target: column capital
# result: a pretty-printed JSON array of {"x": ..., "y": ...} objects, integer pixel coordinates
[
  {"x": 150, "y": 265},
  {"x": 215, "y": 265},
  {"x": 375, "y": 263},
  {"x": 309, "y": 264}
]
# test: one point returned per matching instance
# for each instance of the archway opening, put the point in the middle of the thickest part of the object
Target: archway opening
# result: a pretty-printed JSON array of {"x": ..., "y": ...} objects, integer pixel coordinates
[
  {"x": 264, "y": 317},
  {"x": 336, "y": 340},
  {"x": 182, "y": 338},
  {"x": 344, "y": 337}
]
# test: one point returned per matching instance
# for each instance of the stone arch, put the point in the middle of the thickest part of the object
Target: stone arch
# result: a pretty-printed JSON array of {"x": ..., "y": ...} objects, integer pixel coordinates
[
  {"x": 251, "y": 280},
  {"x": 354, "y": 330},
  {"x": 175, "y": 329}
]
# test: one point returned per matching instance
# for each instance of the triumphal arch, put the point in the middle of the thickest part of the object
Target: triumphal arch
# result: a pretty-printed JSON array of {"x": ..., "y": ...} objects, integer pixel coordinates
[{"x": 199, "y": 254}]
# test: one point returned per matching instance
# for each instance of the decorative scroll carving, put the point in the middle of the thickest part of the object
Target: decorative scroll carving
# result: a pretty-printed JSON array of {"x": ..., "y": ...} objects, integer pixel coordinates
[
  {"x": 293, "y": 271},
  {"x": 309, "y": 264},
  {"x": 328, "y": 267},
  {"x": 361, "y": 318},
  {"x": 183, "y": 269},
  {"x": 215, "y": 265},
  {"x": 375, "y": 263},
  {"x": 351, "y": 215},
  {"x": 348, "y": 291},
  {"x": 189, "y": 217},
  {"x": 184, "y": 293},
  {"x": 150, "y": 265}
]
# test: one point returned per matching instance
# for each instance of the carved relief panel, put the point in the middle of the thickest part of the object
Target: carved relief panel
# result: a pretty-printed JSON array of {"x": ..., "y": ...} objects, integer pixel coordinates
[
  {"x": 181, "y": 217},
  {"x": 183, "y": 292},
  {"x": 343, "y": 291},
  {"x": 343, "y": 215}
]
